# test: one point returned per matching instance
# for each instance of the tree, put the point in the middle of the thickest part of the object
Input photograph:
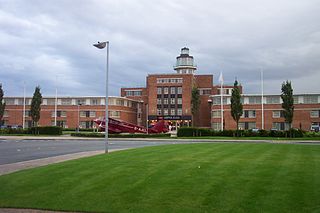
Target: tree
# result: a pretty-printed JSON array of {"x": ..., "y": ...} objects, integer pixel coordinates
[
  {"x": 36, "y": 106},
  {"x": 287, "y": 102},
  {"x": 195, "y": 102},
  {"x": 2, "y": 104},
  {"x": 236, "y": 105}
]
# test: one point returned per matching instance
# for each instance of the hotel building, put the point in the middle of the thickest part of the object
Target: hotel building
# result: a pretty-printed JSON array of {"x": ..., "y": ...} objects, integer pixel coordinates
[{"x": 168, "y": 97}]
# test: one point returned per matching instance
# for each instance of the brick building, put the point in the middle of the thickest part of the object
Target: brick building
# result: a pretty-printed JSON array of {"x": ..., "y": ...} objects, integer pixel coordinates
[
  {"x": 168, "y": 96},
  {"x": 306, "y": 112},
  {"x": 72, "y": 111}
]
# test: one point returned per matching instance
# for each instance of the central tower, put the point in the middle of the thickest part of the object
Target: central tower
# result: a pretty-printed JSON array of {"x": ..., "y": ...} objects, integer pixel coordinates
[{"x": 185, "y": 64}]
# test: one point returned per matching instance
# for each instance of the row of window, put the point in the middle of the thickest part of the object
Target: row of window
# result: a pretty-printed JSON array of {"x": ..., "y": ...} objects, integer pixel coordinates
[
  {"x": 133, "y": 93},
  {"x": 165, "y": 90},
  {"x": 170, "y": 100},
  {"x": 66, "y": 102},
  {"x": 310, "y": 99},
  {"x": 168, "y": 80},
  {"x": 62, "y": 114},
  {"x": 169, "y": 112},
  {"x": 275, "y": 114},
  {"x": 252, "y": 125}
]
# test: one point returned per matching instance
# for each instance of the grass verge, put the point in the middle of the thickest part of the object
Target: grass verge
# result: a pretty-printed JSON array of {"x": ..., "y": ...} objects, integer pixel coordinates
[{"x": 175, "y": 178}]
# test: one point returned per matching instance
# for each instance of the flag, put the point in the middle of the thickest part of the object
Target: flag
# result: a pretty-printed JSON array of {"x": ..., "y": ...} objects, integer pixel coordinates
[
  {"x": 100, "y": 45},
  {"x": 221, "y": 78}
]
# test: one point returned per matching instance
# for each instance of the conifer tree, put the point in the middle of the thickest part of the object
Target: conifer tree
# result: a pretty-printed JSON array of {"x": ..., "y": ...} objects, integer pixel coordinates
[{"x": 36, "y": 106}]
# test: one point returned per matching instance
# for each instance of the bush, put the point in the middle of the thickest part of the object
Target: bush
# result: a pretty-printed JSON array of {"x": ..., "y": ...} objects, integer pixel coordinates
[
  {"x": 101, "y": 135},
  {"x": 45, "y": 130},
  {"x": 90, "y": 135},
  {"x": 194, "y": 132},
  {"x": 81, "y": 130},
  {"x": 295, "y": 133}
]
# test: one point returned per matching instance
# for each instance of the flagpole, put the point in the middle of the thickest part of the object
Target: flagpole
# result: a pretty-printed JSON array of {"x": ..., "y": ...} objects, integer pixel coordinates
[
  {"x": 55, "y": 105},
  {"x": 221, "y": 100},
  {"x": 221, "y": 93},
  {"x": 24, "y": 105},
  {"x": 262, "y": 104}
]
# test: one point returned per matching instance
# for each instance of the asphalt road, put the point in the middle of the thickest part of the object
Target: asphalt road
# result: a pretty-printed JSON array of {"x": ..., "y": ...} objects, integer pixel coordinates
[{"x": 12, "y": 151}]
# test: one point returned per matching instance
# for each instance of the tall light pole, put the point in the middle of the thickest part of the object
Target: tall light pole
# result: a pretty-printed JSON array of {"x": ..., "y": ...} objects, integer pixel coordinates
[
  {"x": 147, "y": 118},
  {"x": 102, "y": 45}
]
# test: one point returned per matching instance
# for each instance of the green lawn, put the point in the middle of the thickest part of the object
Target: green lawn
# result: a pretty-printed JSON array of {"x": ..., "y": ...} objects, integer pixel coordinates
[{"x": 175, "y": 178}]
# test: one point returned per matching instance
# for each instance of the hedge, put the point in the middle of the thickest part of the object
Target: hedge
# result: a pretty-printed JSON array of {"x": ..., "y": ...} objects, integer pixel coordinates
[
  {"x": 101, "y": 135},
  {"x": 199, "y": 132},
  {"x": 42, "y": 130}
]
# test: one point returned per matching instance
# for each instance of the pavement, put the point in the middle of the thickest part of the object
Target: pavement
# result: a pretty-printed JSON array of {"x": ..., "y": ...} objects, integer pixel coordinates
[{"x": 13, "y": 167}]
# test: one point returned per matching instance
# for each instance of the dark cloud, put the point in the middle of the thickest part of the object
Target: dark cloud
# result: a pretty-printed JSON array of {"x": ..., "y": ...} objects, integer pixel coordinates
[{"x": 49, "y": 43}]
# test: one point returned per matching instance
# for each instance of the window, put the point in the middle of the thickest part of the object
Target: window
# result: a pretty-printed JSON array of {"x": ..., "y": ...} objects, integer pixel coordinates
[
  {"x": 65, "y": 101},
  {"x": 172, "y": 101},
  {"x": 159, "y": 90},
  {"x": 79, "y": 102},
  {"x": 172, "y": 90},
  {"x": 165, "y": 112},
  {"x": 216, "y": 114},
  {"x": 165, "y": 90},
  {"x": 158, "y": 101},
  {"x": 62, "y": 124},
  {"x": 205, "y": 91},
  {"x": 133, "y": 93},
  {"x": 159, "y": 112},
  {"x": 254, "y": 100},
  {"x": 273, "y": 100},
  {"x": 247, "y": 125},
  {"x": 51, "y": 101},
  {"x": 59, "y": 114},
  {"x": 295, "y": 99},
  {"x": 168, "y": 80},
  {"x": 179, "y": 111},
  {"x": 280, "y": 126},
  {"x": 314, "y": 113},
  {"x": 172, "y": 112},
  {"x": 94, "y": 102},
  {"x": 249, "y": 114},
  {"x": 9, "y": 101},
  {"x": 165, "y": 101},
  {"x": 114, "y": 114},
  {"x": 179, "y": 100},
  {"x": 83, "y": 114},
  {"x": 179, "y": 90},
  {"x": 27, "y": 113},
  {"x": 216, "y": 126},
  {"x": 119, "y": 102},
  {"x": 92, "y": 114},
  {"x": 310, "y": 99},
  {"x": 276, "y": 113}
]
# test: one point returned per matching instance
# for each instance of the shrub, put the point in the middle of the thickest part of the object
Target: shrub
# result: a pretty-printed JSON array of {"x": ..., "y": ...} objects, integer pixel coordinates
[
  {"x": 194, "y": 132},
  {"x": 295, "y": 133},
  {"x": 102, "y": 135},
  {"x": 264, "y": 133},
  {"x": 45, "y": 130}
]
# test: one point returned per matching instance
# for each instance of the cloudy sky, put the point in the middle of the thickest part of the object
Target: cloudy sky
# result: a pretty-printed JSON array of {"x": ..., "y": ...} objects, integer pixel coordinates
[{"x": 49, "y": 43}]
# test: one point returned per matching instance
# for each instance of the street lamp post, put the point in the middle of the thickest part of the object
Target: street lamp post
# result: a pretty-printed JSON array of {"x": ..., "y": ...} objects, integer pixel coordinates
[{"x": 102, "y": 45}]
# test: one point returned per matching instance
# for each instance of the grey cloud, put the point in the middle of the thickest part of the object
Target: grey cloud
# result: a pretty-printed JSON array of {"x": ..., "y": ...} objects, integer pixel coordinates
[{"x": 43, "y": 39}]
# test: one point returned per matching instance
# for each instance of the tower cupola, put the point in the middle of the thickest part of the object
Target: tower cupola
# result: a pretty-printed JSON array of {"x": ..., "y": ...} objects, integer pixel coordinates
[{"x": 185, "y": 63}]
